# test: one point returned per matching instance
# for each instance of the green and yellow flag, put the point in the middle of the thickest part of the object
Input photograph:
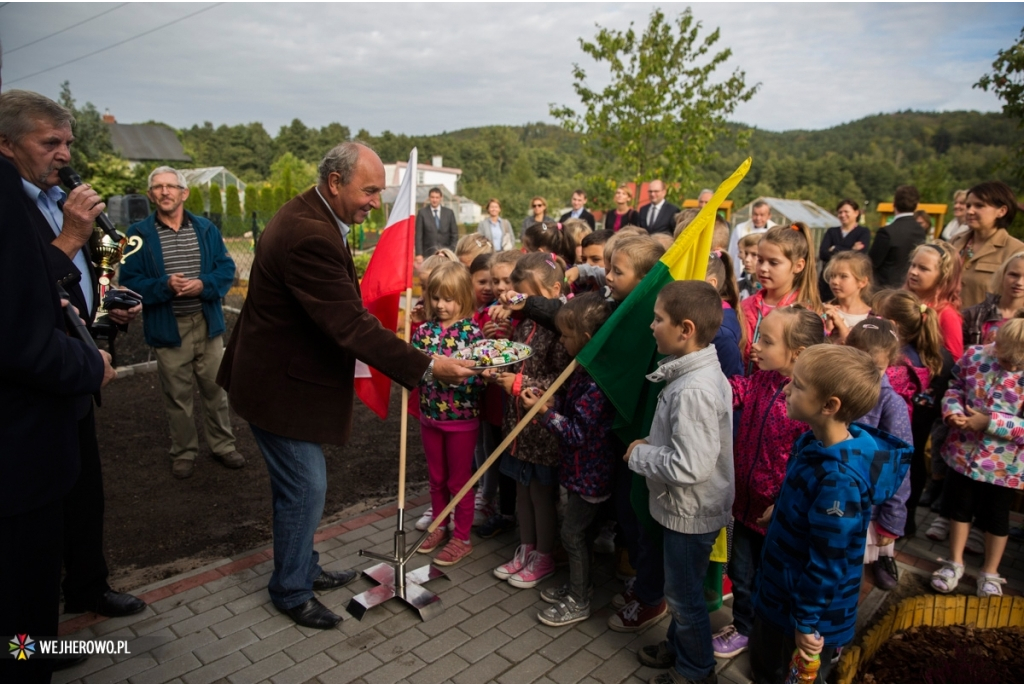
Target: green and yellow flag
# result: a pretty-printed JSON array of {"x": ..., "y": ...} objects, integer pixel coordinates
[{"x": 623, "y": 352}]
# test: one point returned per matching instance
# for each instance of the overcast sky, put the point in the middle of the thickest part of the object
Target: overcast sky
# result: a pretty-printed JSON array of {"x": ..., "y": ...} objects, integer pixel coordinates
[{"x": 427, "y": 68}]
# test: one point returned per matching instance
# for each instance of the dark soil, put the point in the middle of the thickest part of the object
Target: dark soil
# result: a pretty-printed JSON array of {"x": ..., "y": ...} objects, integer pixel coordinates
[
  {"x": 950, "y": 654},
  {"x": 158, "y": 526}
]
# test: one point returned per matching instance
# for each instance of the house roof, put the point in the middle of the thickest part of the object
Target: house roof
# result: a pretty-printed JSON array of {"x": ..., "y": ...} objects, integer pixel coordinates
[{"x": 147, "y": 142}]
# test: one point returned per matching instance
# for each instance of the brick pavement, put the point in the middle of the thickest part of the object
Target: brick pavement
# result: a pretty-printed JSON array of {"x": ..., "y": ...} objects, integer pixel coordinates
[{"x": 217, "y": 624}]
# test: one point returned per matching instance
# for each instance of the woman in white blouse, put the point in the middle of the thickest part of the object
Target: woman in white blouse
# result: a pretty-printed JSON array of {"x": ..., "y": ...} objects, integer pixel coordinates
[{"x": 496, "y": 229}]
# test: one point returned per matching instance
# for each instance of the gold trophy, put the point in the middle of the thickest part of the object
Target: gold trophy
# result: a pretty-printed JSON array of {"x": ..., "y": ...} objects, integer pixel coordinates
[{"x": 106, "y": 255}]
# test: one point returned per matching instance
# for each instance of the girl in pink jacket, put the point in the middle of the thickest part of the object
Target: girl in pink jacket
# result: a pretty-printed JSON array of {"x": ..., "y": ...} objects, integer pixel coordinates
[{"x": 762, "y": 446}]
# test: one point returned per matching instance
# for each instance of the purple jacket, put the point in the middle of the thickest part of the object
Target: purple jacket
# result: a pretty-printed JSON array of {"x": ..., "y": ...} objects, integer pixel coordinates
[
  {"x": 891, "y": 416},
  {"x": 765, "y": 439},
  {"x": 583, "y": 427}
]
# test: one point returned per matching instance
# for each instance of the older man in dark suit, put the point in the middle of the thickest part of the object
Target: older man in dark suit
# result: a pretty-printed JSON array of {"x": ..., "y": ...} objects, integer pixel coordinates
[
  {"x": 659, "y": 216},
  {"x": 46, "y": 379},
  {"x": 436, "y": 227},
  {"x": 289, "y": 368},
  {"x": 35, "y": 135},
  {"x": 891, "y": 248}
]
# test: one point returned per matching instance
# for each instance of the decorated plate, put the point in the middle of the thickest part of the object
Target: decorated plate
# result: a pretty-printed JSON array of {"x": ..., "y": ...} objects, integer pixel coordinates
[{"x": 492, "y": 354}]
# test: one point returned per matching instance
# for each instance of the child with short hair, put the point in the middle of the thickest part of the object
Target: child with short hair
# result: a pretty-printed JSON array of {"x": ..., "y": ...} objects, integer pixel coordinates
[
  {"x": 687, "y": 462},
  {"x": 747, "y": 282},
  {"x": 593, "y": 247},
  {"x": 848, "y": 275},
  {"x": 891, "y": 415},
  {"x": 983, "y": 450},
  {"x": 449, "y": 414},
  {"x": 532, "y": 459},
  {"x": 809, "y": 584},
  {"x": 582, "y": 422},
  {"x": 470, "y": 246},
  {"x": 764, "y": 442}
]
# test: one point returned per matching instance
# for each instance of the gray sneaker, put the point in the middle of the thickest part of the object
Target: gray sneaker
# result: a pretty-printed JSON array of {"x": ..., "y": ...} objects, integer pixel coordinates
[
  {"x": 564, "y": 613},
  {"x": 554, "y": 595}
]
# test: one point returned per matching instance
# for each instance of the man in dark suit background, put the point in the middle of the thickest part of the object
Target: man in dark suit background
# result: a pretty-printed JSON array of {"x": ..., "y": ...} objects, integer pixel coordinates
[
  {"x": 436, "y": 227},
  {"x": 46, "y": 382},
  {"x": 579, "y": 209},
  {"x": 659, "y": 216},
  {"x": 891, "y": 248},
  {"x": 289, "y": 367},
  {"x": 35, "y": 135}
]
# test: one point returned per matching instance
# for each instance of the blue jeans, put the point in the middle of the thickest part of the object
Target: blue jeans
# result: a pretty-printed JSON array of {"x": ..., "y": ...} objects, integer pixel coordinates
[
  {"x": 743, "y": 565},
  {"x": 645, "y": 553},
  {"x": 689, "y": 634},
  {"x": 298, "y": 485}
]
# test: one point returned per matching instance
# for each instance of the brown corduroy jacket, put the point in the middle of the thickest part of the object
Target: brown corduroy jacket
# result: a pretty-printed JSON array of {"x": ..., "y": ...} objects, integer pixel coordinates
[{"x": 290, "y": 364}]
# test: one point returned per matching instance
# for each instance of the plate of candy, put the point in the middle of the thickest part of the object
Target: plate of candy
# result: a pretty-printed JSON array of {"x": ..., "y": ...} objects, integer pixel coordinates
[{"x": 491, "y": 354}]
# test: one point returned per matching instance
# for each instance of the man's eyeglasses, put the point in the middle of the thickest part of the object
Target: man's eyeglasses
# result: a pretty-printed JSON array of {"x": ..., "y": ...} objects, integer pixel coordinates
[
  {"x": 161, "y": 188},
  {"x": 535, "y": 206}
]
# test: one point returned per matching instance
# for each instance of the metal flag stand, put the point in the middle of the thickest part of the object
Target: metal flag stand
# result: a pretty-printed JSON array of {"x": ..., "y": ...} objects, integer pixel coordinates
[{"x": 391, "y": 576}]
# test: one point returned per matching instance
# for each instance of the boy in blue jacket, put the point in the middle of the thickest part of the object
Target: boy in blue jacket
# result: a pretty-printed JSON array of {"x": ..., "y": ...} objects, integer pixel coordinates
[{"x": 808, "y": 585}]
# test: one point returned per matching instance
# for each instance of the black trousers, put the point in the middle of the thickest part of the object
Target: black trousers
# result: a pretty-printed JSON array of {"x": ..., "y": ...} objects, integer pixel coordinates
[
  {"x": 86, "y": 572},
  {"x": 30, "y": 549}
]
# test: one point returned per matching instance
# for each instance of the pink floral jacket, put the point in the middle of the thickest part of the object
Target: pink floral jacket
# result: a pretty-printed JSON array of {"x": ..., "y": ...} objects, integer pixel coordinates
[{"x": 993, "y": 455}]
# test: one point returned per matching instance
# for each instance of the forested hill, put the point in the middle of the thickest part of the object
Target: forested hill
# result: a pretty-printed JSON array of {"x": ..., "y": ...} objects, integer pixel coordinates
[{"x": 864, "y": 159}]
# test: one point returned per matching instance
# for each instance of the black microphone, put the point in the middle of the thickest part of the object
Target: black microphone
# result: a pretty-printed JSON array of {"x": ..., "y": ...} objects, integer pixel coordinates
[{"x": 72, "y": 180}]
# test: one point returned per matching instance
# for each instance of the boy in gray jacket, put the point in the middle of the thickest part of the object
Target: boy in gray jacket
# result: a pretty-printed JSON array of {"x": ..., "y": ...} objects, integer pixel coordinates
[{"x": 687, "y": 461}]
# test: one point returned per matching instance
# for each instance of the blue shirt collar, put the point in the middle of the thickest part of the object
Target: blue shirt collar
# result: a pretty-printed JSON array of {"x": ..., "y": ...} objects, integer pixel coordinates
[
  {"x": 342, "y": 226},
  {"x": 55, "y": 194}
]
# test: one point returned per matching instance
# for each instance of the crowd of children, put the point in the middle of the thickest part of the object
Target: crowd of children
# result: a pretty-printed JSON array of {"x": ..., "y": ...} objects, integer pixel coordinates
[{"x": 800, "y": 426}]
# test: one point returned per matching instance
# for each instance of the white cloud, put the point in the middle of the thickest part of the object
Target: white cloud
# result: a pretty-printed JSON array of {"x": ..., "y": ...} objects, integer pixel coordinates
[{"x": 432, "y": 67}]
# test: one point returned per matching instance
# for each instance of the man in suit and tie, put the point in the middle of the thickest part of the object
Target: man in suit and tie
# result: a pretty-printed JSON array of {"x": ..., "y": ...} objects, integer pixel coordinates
[
  {"x": 289, "y": 368},
  {"x": 35, "y": 136},
  {"x": 436, "y": 227},
  {"x": 891, "y": 248},
  {"x": 579, "y": 209},
  {"x": 659, "y": 216}
]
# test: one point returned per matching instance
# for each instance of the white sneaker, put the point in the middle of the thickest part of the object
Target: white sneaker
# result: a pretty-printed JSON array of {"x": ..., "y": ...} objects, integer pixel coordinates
[
  {"x": 605, "y": 541},
  {"x": 424, "y": 521}
]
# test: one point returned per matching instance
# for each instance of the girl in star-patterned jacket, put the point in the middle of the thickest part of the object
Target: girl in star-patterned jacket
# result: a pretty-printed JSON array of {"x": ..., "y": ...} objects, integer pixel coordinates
[
  {"x": 983, "y": 408},
  {"x": 449, "y": 414}
]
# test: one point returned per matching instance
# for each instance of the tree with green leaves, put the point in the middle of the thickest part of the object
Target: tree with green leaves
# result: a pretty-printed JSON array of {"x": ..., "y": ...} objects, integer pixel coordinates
[
  {"x": 216, "y": 205},
  {"x": 661, "y": 110},
  {"x": 292, "y": 174},
  {"x": 233, "y": 212},
  {"x": 1007, "y": 81},
  {"x": 195, "y": 202}
]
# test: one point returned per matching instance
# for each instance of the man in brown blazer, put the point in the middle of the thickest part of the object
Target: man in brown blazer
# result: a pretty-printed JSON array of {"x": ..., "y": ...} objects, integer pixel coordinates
[{"x": 289, "y": 366}]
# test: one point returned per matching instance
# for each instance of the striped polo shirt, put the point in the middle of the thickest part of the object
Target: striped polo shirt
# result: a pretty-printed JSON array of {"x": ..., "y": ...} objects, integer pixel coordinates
[{"x": 181, "y": 256}]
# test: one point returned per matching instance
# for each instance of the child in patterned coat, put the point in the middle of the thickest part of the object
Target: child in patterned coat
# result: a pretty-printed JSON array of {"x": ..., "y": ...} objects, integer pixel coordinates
[
  {"x": 582, "y": 422},
  {"x": 983, "y": 409},
  {"x": 449, "y": 414}
]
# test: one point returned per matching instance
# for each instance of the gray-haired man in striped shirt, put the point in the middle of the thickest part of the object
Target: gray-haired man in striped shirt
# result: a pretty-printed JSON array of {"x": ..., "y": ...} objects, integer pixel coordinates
[{"x": 182, "y": 272}]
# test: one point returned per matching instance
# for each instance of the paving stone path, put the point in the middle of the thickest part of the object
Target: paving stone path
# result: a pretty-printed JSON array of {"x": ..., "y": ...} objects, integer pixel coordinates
[{"x": 217, "y": 624}]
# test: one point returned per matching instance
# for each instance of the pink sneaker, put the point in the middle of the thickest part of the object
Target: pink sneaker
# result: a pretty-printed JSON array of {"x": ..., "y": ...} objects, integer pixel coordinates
[
  {"x": 538, "y": 567},
  {"x": 505, "y": 571}
]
